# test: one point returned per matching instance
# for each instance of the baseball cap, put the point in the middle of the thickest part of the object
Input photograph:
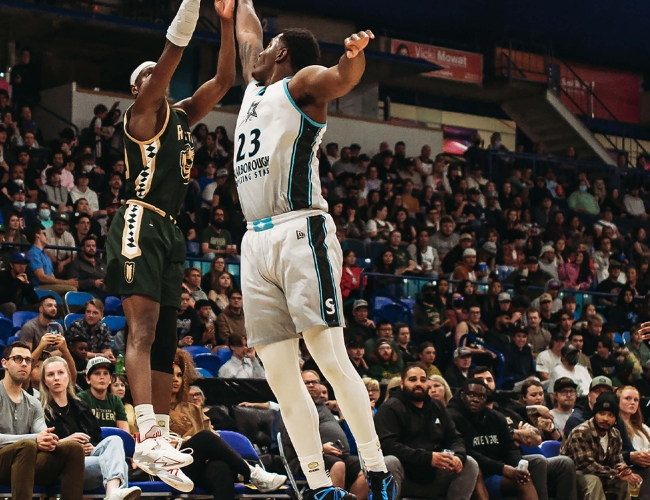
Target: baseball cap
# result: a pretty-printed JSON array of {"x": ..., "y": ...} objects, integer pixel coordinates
[
  {"x": 504, "y": 297},
  {"x": 381, "y": 342},
  {"x": 462, "y": 352},
  {"x": 222, "y": 172},
  {"x": 465, "y": 236},
  {"x": 546, "y": 248},
  {"x": 606, "y": 402},
  {"x": 97, "y": 362},
  {"x": 490, "y": 246},
  {"x": 554, "y": 284},
  {"x": 531, "y": 260},
  {"x": 600, "y": 380},
  {"x": 201, "y": 303},
  {"x": 469, "y": 252},
  {"x": 17, "y": 257},
  {"x": 61, "y": 216},
  {"x": 359, "y": 303},
  {"x": 523, "y": 281},
  {"x": 563, "y": 382},
  {"x": 545, "y": 297}
]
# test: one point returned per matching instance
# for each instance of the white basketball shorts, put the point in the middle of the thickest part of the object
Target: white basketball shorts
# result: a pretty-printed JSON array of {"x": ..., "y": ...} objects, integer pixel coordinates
[{"x": 291, "y": 268}]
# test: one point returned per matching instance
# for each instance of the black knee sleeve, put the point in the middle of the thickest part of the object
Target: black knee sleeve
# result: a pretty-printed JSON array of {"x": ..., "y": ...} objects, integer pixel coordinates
[{"x": 163, "y": 349}]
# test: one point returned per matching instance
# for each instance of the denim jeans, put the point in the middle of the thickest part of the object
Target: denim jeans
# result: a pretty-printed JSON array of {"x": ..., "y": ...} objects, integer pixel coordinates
[{"x": 106, "y": 462}]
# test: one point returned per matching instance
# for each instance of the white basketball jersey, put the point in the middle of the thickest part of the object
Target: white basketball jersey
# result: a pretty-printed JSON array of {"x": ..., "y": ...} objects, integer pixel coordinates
[{"x": 275, "y": 162}]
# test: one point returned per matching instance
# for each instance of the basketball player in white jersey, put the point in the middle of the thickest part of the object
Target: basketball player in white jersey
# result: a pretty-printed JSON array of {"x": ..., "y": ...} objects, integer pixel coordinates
[{"x": 291, "y": 259}]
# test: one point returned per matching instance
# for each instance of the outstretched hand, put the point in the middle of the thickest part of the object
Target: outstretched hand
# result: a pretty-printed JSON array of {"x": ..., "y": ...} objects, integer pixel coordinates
[
  {"x": 644, "y": 330},
  {"x": 225, "y": 8},
  {"x": 357, "y": 42}
]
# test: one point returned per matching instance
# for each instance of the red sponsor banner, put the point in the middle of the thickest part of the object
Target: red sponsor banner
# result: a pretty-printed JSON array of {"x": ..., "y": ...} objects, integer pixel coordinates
[
  {"x": 456, "y": 65},
  {"x": 618, "y": 91}
]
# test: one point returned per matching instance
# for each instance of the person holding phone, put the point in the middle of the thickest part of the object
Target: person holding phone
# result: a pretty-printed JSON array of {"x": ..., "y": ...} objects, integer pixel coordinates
[{"x": 33, "y": 330}]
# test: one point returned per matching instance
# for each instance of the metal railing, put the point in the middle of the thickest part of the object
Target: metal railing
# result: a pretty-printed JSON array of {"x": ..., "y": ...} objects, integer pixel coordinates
[{"x": 534, "y": 62}]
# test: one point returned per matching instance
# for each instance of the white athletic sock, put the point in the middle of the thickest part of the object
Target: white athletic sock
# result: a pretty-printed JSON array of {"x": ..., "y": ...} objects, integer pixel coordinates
[
  {"x": 372, "y": 456},
  {"x": 163, "y": 422},
  {"x": 314, "y": 468},
  {"x": 146, "y": 420}
]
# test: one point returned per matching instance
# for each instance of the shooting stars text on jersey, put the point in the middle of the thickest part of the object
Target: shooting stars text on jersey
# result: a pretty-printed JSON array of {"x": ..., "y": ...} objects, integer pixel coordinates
[{"x": 276, "y": 164}]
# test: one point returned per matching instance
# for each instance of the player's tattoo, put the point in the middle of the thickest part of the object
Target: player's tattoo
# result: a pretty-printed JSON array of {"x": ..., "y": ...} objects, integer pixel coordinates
[{"x": 248, "y": 56}]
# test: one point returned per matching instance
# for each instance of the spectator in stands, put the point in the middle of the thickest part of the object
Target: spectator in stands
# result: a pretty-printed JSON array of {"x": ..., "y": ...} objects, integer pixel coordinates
[
  {"x": 216, "y": 239},
  {"x": 408, "y": 352},
  {"x": 583, "y": 201},
  {"x": 548, "y": 262},
  {"x": 592, "y": 333},
  {"x": 637, "y": 433},
  {"x": 605, "y": 222},
  {"x": 439, "y": 389},
  {"x": 637, "y": 347},
  {"x": 107, "y": 408},
  {"x": 344, "y": 164},
  {"x": 351, "y": 276},
  {"x": 58, "y": 235},
  {"x": 634, "y": 204},
  {"x": 192, "y": 281},
  {"x": 626, "y": 312},
  {"x": 187, "y": 321},
  {"x": 219, "y": 292},
  {"x": 385, "y": 361},
  {"x": 415, "y": 432},
  {"x": 533, "y": 410},
  {"x": 353, "y": 226},
  {"x": 56, "y": 194},
  {"x": 31, "y": 452},
  {"x": 34, "y": 329},
  {"x": 40, "y": 268},
  {"x": 217, "y": 268},
  {"x": 82, "y": 191},
  {"x": 548, "y": 359},
  {"x": 444, "y": 240},
  {"x": 570, "y": 368},
  {"x": 88, "y": 269},
  {"x": 596, "y": 449},
  {"x": 44, "y": 215},
  {"x": 428, "y": 316},
  {"x": 93, "y": 330},
  {"x": 15, "y": 288},
  {"x": 564, "y": 400},
  {"x": 583, "y": 409},
  {"x": 378, "y": 228},
  {"x": 26, "y": 217},
  {"x": 343, "y": 469},
  {"x": 401, "y": 258},
  {"x": 231, "y": 319},
  {"x": 244, "y": 362},
  {"x": 538, "y": 337},
  {"x": 457, "y": 373},
  {"x": 402, "y": 223},
  {"x": 576, "y": 339},
  {"x": 356, "y": 351},
  {"x": 115, "y": 191},
  {"x": 426, "y": 357},
  {"x": 216, "y": 466},
  {"x": 555, "y": 229},
  {"x": 576, "y": 274},
  {"x": 73, "y": 420},
  {"x": 204, "y": 332},
  {"x": 473, "y": 326},
  {"x": 360, "y": 325},
  {"x": 489, "y": 442},
  {"x": 611, "y": 284},
  {"x": 601, "y": 258},
  {"x": 519, "y": 357},
  {"x": 455, "y": 255},
  {"x": 603, "y": 361},
  {"x": 13, "y": 235},
  {"x": 82, "y": 229}
]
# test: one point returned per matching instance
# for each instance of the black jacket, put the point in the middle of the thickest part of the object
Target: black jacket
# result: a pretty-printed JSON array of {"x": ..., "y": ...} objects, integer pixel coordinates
[
  {"x": 14, "y": 290},
  {"x": 487, "y": 438},
  {"x": 87, "y": 421},
  {"x": 411, "y": 434},
  {"x": 519, "y": 364},
  {"x": 454, "y": 376}
]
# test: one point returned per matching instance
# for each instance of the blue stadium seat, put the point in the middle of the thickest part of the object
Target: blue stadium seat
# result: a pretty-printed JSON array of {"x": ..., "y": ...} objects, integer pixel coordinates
[
  {"x": 209, "y": 362},
  {"x": 12, "y": 339},
  {"x": 240, "y": 444},
  {"x": 531, "y": 450},
  {"x": 204, "y": 373},
  {"x": 378, "y": 302},
  {"x": 69, "y": 318},
  {"x": 550, "y": 449},
  {"x": 113, "y": 306},
  {"x": 364, "y": 263},
  {"x": 357, "y": 246},
  {"x": 394, "y": 313},
  {"x": 75, "y": 301},
  {"x": 6, "y": 329},
  {"x": 224, "y": 354},
  {"x": 115, "y": 323},
  {"x": 193, "y": 248},
  {"x": 48, "y": 293},
  {"x": 408, "y": 303},
  {"x": 197, "y": 349},
  {"x": 127, "y": 439},
  {"x": 21, "y": 317},
  {"x": 374, "y": 249}
]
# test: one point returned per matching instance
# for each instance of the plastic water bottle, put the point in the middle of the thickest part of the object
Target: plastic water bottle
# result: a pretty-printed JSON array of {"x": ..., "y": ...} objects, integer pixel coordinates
[
  {"x": 522, "y": 465},
  {"x": 119, "y": 366}
]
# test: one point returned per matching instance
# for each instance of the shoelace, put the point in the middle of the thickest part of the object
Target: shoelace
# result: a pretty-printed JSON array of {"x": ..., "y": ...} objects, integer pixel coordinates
[{"x": 176, "y": 441}]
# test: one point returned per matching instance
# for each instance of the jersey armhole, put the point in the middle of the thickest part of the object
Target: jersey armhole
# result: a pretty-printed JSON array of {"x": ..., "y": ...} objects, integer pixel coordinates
[
  {"x": 156, "y": 137},
  {"x": 285, "y": 84}
]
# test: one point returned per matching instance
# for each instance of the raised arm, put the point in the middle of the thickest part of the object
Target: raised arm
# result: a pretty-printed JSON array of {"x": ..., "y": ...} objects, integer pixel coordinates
[
  {"x": 212, "y": 91},
  {"x": 319, "y": 85},
  {"x": 249, "y": 36},
  {"x": 149, "y": 110}
]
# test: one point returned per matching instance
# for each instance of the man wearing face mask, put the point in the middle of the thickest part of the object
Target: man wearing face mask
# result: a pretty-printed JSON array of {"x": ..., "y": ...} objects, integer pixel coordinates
[
  {"x": 583, "y": 201},
  {"x": 571, "y": 369},
  {"x": 28, "y": 219},
  {"x": 45, "y": 215}
]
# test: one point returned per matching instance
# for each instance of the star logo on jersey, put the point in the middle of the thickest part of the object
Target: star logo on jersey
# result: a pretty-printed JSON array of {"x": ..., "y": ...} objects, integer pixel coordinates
[{"x": 252, "y": 112}]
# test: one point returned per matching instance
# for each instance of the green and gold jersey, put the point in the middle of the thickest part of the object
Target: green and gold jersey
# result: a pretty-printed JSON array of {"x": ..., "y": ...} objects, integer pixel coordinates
[{"x": 158, "y": 170}]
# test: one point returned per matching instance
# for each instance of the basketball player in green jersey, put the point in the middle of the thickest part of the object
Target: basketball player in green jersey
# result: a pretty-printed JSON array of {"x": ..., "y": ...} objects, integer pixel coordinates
[{"x": 146, "y": 250}]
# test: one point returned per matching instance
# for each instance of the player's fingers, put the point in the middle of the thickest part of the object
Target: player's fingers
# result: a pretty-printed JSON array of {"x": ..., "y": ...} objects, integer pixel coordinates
[
  {"x": 354, "y": 37},
  {"x": 363, "y": 34},
  {"x": 370, "y": 34}
]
